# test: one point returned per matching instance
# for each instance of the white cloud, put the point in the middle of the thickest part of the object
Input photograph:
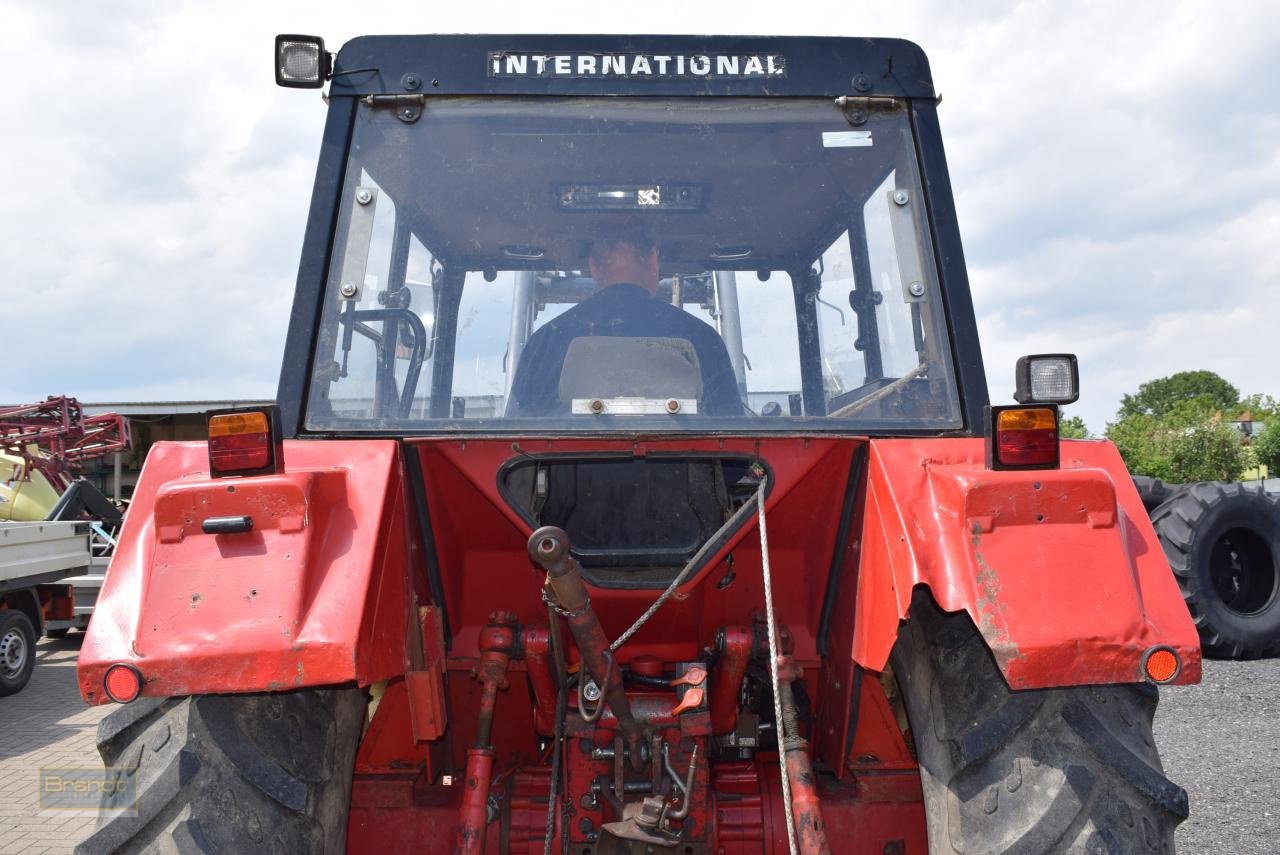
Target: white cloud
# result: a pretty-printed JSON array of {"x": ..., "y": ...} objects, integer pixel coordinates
[{"x": 1114, "y": 167}]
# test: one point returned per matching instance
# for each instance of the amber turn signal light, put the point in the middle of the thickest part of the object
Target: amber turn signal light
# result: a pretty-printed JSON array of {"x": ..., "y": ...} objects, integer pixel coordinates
[
  {"x": 1023, "y": 437},
  {"x": 243, "y": 442},
  {"x": 1160, "y": 664},
  {"x": 122, "y": 683}
]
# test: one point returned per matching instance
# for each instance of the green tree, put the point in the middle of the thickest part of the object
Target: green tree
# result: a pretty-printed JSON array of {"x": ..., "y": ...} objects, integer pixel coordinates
[
  {"x": 1158, "y": 397},
  {"x": 1073, "y": 427},
  {"x": 1136, "y": 438},
  {"x": 1191, "y": 443},
  {"x": 1261, "y": 407},
  {"x": 1266, "y": 445}
]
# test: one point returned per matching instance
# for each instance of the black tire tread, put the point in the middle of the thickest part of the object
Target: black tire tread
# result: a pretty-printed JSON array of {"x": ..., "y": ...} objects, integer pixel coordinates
[
  {"x": 231, "y": 773},
  {"x": 1052, "y": 770},
  {"x": 1155, "y": 492},
  {"x": 1180, "y": 523}
]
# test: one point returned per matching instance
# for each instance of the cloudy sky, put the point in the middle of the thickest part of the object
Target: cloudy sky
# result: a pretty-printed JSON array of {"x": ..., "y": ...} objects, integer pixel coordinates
[{"x": 1116, "y": 167}]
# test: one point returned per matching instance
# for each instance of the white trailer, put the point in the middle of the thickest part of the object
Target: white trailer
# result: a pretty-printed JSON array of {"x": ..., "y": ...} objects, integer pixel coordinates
[{"x": 36, "y": 559}]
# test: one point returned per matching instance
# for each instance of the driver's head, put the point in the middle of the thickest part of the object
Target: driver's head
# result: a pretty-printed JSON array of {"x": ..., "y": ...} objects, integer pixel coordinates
[{"x": 629, "y": 256}]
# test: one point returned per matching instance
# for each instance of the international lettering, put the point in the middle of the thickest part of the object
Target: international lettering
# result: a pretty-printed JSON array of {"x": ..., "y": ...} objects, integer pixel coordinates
[{"x": 636, "y": 65}]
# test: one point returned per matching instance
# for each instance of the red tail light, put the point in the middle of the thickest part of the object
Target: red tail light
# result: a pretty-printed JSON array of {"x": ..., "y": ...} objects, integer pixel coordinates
[
  {"x": 1161, "y": 664},
  {"x": 242, "y": 442},
  {"x": 1023, "y": 438},
  {"x": 122, "y": 683}
]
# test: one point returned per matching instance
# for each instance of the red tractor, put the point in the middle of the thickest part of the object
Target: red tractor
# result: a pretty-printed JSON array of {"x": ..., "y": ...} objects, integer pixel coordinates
[{"x": 633, "y": 487}]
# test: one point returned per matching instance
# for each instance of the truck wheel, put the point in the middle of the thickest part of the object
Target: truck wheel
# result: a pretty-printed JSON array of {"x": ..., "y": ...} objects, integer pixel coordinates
[
  {"x": 230, "y": 773},
  {"x": 17, "y": 650},
  {"x": 1050, "y": 770},
  {"x": 1223, "y": 543}
]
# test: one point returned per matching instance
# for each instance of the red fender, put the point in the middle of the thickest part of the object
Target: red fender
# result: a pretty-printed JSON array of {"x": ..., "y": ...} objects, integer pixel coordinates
[
  {"x": 315, "y": 594},
  {"x": 1060, "y": 569}
]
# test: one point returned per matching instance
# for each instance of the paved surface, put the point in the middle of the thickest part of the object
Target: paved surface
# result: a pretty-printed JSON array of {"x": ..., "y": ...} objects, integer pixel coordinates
[
  {"x": 1220, "y": 740},
  {"x": 46, "y": 724}
]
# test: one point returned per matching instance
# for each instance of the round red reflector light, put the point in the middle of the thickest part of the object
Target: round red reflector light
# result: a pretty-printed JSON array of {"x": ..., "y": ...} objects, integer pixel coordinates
[
  {"x": 123, "y": 683},
  {"x": 1161, "y": 664}
]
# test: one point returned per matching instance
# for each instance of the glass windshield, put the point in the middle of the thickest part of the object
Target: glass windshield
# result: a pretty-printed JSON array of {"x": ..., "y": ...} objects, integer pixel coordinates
[{"x": 632, "y": 264}]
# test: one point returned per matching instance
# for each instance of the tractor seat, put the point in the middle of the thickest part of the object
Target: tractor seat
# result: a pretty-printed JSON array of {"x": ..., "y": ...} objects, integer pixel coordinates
[{"x": 630, "y": 375}]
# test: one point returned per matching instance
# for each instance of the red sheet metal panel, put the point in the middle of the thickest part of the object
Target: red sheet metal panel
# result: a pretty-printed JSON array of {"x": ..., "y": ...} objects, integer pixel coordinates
[
  {"x": 1060, "y": 569},
  {"x": 315, "y": 594},
  {"x": 481, "y": 541}
]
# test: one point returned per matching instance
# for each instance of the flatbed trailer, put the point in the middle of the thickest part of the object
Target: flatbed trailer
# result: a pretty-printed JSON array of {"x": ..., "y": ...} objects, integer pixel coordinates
[{"x": 37, "y": 562}]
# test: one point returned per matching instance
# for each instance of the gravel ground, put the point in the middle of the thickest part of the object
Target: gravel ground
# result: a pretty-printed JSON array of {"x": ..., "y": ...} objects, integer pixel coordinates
[{"x": 1220, "y": 740}]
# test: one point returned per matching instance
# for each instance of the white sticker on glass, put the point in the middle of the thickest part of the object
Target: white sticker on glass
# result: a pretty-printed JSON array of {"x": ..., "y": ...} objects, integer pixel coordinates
[{"x": 845, "y": 139}]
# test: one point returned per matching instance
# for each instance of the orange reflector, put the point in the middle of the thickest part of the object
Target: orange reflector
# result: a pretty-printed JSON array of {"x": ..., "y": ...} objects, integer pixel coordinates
[
  {"x": 1028, "y": 418},
  {"x": 1161, "y": 665},
  {"x": 235, "y": 424},
  {"x": 239, "y": 442},
  {"x": 123, "y": 683},
  {"x": 1023, "y": 438}
]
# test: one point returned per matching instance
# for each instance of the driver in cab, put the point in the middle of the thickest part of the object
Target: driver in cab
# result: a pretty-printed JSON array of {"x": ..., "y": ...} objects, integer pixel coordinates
[{"x": 625, "y": 267}]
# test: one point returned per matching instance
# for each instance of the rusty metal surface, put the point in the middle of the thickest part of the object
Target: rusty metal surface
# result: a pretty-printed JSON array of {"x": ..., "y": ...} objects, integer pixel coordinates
[
  {"x": 473, "y": 810},
  {"x": 549, "y": 546},
  {"x": 1060, "y": 569},
  {"x": 734, "y": 646}
]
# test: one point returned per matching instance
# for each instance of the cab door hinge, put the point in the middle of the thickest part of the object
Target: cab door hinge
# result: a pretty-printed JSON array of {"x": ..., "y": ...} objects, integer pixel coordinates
[
  {"x": 408, "y": 107},
  {"x": 857, "y": 108}
]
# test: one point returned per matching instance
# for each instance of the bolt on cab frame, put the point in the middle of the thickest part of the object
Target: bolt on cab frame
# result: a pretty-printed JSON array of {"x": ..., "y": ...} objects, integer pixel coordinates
[{"x": 575, "y": 316}]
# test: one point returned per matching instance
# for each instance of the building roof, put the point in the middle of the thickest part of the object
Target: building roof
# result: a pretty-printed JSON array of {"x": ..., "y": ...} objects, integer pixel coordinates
[{"x": 166, "y": 408}]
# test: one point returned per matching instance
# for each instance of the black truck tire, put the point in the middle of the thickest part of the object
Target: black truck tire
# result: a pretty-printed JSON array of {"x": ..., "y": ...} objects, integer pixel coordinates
[
  {"x": 17, "y": 651},
  {"x": 1223, "y": 543},
  {"x": 1048, "y": 770},
  {"x": 230, "y": 773}
]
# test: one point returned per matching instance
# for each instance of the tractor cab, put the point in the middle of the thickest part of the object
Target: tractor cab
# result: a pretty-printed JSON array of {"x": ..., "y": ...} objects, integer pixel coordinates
[{"x": 793, "y": 227}]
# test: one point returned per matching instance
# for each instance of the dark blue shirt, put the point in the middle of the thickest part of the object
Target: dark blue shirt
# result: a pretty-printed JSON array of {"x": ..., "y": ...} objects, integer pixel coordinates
[{"x": 620, "y": 310}]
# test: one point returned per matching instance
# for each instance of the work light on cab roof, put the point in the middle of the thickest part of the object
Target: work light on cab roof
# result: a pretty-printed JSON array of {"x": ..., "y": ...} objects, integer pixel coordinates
[{"x": 302, "y": 62}]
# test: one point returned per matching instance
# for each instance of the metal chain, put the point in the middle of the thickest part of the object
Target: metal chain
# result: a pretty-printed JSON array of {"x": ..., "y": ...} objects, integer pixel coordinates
[
  {"x": 779, "y": 725},
  {"x": 732, "y": 523},
  {"x": 560, "y": 610}
]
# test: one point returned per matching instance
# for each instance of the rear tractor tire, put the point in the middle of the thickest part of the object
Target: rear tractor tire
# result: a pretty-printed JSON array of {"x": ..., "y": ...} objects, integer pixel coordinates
[
  {"x": 1223, "y": 543},
  {"x": 1045, "y": 770},
  {"x": 230, "y": 773}
]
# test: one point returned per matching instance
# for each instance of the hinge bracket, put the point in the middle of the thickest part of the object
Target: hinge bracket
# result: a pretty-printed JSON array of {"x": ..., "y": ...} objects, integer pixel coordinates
[
  {"x": 857, "y": 108},
  {"x": 408, "y": 107}
]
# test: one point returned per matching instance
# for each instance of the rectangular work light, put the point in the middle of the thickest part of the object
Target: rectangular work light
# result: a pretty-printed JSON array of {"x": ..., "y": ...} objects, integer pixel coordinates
[
  {"x": 1047, "y": 378},
  {"x": 302, "y": 62}
]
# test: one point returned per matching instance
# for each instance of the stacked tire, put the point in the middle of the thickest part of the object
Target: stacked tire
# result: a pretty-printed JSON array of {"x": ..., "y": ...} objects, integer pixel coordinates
[{"x": 1223, "y": 544}]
